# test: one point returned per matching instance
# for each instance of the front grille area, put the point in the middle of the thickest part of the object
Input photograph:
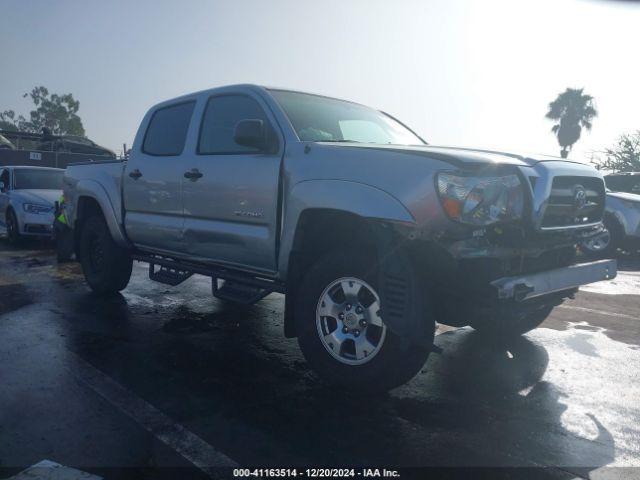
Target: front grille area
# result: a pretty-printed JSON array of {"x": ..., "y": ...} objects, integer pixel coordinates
[
  {"x": 37, "y": 228},
  {"x": 574, "y": 201}
]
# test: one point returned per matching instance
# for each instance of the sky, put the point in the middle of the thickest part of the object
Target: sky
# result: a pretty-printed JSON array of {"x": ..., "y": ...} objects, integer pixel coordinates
[{"x": 477, "y": 73}]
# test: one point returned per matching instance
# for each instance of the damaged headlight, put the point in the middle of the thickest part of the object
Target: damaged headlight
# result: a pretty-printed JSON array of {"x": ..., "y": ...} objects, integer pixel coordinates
[{"x": 481, "y": 200}]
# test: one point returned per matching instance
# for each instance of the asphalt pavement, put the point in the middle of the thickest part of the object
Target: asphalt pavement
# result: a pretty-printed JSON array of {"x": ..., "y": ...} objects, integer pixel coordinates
[{"x": 164, "y": 381}]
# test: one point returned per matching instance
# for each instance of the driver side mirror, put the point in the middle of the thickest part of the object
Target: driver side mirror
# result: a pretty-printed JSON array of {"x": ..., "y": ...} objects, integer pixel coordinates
[
  {"x": 251, "y": 133},
  {"x": 2, "y": 186}
]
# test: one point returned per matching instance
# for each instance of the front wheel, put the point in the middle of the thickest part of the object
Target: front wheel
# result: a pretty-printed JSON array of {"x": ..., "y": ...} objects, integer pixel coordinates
[
  {"x": 13, "y": 228},
  {"x": 106, "y": 266},
  {"x": 341, "y": 330}
]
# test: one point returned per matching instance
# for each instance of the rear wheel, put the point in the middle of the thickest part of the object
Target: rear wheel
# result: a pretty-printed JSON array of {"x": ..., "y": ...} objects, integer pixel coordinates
[
  {"x": 341, "y": 330},
  {"x": 106, "y": 266},
  {"x": 13, "y": 228}
]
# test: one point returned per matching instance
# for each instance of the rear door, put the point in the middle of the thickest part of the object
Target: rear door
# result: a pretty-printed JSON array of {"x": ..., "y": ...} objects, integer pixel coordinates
[
  {"x": 152, "y": 181},
  {"x": 231, "y": 205}
]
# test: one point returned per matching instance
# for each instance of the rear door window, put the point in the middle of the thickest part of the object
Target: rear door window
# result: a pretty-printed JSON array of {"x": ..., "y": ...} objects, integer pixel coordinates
[{"x": 167, "y": 130}]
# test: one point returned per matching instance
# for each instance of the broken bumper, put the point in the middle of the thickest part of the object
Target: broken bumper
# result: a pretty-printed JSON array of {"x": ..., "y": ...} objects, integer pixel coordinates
[{"x": 534, "y": 285}]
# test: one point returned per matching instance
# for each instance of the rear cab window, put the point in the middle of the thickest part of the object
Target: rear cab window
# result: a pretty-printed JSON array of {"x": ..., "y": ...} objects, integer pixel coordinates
[{"x": 167, "y": 130}]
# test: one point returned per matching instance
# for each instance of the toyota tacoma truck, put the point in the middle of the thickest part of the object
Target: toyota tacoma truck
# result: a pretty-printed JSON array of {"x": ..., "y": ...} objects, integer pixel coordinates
[{"x": 372, "y": 234}]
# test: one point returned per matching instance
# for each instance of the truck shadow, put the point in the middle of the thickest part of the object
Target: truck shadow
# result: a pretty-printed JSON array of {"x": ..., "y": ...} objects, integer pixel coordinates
[
  {"x": 499, "y": 398},
  {"x": 479, "y": 404},
  {"x": 230, "y": 373}
]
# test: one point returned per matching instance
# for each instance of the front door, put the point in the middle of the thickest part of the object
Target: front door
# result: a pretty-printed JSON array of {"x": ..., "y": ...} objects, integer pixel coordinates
[
  {"x": 152, "y": 181},
  {"x": 230, "y": 193}
]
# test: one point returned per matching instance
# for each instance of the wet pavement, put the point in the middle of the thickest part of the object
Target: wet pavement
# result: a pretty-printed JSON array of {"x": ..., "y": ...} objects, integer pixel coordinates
[{"x": 159, "y": 379}]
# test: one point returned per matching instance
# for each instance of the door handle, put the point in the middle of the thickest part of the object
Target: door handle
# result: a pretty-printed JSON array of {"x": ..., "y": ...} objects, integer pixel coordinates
[
  {"x": 136, "y": 174},
  {"x": 193, "y": 174}
]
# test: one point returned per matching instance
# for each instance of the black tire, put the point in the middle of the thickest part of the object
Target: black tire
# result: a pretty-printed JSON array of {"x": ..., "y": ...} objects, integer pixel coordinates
[
  {"x": 394, "y": 364},
  {"x": 106, "y": 266},
  {"x": 509, "y": 324},
  {"x": 13, "y": 228}
]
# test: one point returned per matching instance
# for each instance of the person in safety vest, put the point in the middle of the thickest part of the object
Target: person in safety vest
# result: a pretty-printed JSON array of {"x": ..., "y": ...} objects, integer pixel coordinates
[{"x": 63, "y": 233}]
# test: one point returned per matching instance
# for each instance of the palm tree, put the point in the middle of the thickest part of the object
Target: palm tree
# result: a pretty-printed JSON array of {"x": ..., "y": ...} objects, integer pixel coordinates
[{"x": 572, "y": 110}]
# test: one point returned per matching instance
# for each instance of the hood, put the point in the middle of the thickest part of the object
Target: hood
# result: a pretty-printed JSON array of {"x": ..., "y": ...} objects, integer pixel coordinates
[
  {"x": 630, "y": 197},
  {"x": 39, "y": 197},
  {"x": 458, "y": 156}
]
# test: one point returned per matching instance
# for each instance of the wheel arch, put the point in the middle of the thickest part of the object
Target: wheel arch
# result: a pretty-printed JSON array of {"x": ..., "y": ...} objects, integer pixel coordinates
[
  {"x": 310, "y": 241},
  {"x": 376, "y": 223},
  {"x": 347, "y": 197},
  {"x": 91, "y": 198}
]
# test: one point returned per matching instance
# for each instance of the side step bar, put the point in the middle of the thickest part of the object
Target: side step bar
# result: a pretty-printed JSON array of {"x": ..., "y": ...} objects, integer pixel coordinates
[
  {"x": 237, "y": 292},
  {"x": 174, "y": 272},
  {"x": 168, "y": 275}
]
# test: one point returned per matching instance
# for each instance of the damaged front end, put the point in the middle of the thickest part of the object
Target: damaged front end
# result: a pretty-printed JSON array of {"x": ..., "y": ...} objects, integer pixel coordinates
[{"x": 512, "y": 247}]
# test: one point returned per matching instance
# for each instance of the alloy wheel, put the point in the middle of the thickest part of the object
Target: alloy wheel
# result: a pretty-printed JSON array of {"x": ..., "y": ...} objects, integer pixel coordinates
[{"x": 348, "y": 321}]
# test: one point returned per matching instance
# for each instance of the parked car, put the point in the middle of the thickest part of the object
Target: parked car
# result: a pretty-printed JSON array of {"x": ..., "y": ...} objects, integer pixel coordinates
[
  {"x": 628, "y": 182},
  {"x": 27, "y": 200},
  {"x": 5, "y": 144},
  {"x": 621, "y": 226},
  {"x": 73, "y": 144},
  {"x": 372, "y": 234}
]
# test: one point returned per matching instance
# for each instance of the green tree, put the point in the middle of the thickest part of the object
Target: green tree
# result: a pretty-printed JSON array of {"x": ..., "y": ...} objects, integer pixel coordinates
[
  {"x": 624, "y": 156},
  {"x": 8, "y": 120},
  {"x": 572, "y": 110},
  {"x": 58, "y": 113}
]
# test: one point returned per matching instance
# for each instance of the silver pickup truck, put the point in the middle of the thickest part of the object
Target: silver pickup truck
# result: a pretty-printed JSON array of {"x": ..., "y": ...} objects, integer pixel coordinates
[{"x": 372, "y": 234}]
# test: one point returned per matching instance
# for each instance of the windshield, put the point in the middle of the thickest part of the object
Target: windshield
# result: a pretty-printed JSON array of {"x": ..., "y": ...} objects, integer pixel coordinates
[
  {"x": 4, "y": 141},
  {"x": 321, "y": 119},
  {"x": 76, "y": 139},
  {"x": 36, "y": 179}
]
